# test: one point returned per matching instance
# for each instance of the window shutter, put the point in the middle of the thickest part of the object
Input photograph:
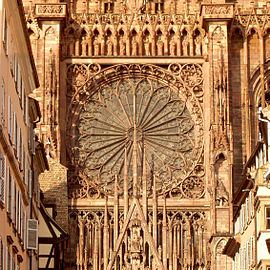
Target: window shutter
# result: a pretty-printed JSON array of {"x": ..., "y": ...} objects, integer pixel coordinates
[
  {"x": 22, "y": 156},
  {"x": 24, "y": 229},
  {"x": 2, "y": 177},
  {"x": 19, "y": 78},
  {"x": 11, "y": 56},
  {"x": 16, "y": 69},
  {"x": 4, "y": 26},
  {"x": 14, "y": 138},
  {"x": 1, "y": 254},
  {"x": 252, "y": 204},
  {"x": 23, "y": 102},
  {"x": 7, "y": 258},
  {"x": 38, "y": 194},
  {"x": 25, "y": 173},
  {"x": 20, "y": 91},
  {"x": 32, "y": 234},
  {"x": 13, "y": 200},
  {"x": 17, "y": 208},
  {"x": 21, "y": 218},
  {"x": 25, "y": 108},
  {"x": 13, "y": 262},
  {"x": 30, "y": 183},
  {"x": 8, "y": 190},
  {"x": 3, "y": 102},
  {"x": 18, "y": 150},
  {"x": 9, "y": 116}
]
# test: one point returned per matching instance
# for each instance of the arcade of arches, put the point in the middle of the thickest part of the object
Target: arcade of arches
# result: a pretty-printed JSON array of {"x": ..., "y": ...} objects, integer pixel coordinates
[{"x": 148, "y": 117}]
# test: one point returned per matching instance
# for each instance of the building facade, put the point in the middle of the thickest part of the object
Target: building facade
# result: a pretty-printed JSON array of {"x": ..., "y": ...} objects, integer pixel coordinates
[
  {"x": 250, "y": 245},
  {"x": 22, "y": 158},
  {"x": 149, "y": 116}
]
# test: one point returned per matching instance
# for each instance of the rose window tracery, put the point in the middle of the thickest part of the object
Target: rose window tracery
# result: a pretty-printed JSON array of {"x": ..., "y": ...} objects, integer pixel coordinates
[{"x": 145, "y": 115}]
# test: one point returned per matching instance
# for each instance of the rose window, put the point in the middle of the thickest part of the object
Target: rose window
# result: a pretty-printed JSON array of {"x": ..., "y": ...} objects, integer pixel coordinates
[{"x": 142, "y": 114}]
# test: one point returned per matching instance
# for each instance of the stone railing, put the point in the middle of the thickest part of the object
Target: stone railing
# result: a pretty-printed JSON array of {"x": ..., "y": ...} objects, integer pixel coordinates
[
  {"x": 51, "y": 10},
  {"x": 216, "y": 11}
]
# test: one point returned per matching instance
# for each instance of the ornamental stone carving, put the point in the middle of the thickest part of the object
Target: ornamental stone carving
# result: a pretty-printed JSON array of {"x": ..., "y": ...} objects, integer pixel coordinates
[
  {"x": 136, "y": 112},
  {"x": 51, "y": 10}
]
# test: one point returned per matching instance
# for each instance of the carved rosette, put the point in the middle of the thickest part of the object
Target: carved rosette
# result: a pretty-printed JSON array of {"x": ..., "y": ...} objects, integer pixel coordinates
[
  {"x": 191, "y": 76},
  {"x": 140, "y": 107}
]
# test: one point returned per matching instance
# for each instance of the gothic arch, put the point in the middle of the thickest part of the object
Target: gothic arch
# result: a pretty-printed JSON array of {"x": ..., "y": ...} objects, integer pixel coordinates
[{"x": 254, "y": 28}]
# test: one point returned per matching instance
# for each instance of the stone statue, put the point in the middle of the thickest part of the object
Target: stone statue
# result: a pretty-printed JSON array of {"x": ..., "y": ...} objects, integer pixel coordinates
[
  {"x": 134, "y": 48},
  {"x": 222, "y": 195},
  {"x": 84, "y": 46},
  {"x": 122, "y": 47},
  {"x": 109, "y": 48},
  {"x": 198, "y": 45},
  {"x": 134, "y": 6},
  {"x": 147, "y": 48},
  {"x": 185, "y": 45},
  {"x": 159, "y": 47},
  {"x": 96, "y": 47},
  {"x": 172, "y": 48}
]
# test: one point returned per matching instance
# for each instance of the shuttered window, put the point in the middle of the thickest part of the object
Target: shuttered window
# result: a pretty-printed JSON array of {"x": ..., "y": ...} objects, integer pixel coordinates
[
  {"x": 7, "y": 258},
  {"x": 1, "y": 254},
  {"x": 3, "y": 94},
  {"x": 11, "y": 57},
  {"x": 16, "y": 69},
  {"x": 9, "y": 117},
  {"x": 14, "y": 140},
  {"x": 267, "y": 217},
  {"x": 19, "y": 78},
  {"x": 5, "y": 32},
  {"x": 2, "y": 177},
  {"x": 30, "y": 183},
  {"x": 9, "y": 190},
  {"x": 32, "y": 234},
  {"x": 21, "y": 218},
  {"x": 13, "y": 200},
  {"x": 19, "y": 139}
]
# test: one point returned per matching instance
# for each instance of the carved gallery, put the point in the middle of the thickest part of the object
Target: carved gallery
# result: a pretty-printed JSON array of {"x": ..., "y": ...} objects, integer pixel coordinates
[{"x": 155, "y": 123}]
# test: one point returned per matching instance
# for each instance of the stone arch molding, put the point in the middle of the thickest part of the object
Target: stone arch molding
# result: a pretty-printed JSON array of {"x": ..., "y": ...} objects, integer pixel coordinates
[{"x": 163, "y": 143}]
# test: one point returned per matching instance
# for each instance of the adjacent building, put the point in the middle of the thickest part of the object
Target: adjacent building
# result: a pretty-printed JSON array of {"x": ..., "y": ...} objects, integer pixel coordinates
[
  {"x": 250, "y": 245},
  {"x": 22, "y": 157}
]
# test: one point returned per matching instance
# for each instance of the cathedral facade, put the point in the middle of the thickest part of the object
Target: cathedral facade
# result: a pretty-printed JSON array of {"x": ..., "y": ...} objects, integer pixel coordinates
[{"x": 149, "y": 115}]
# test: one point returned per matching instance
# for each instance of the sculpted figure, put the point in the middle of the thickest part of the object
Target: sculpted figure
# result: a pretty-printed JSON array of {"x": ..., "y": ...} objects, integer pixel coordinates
[
  {"x": 172, "y": 48},
  {"x": 185, "y": 45},
  {"x": 71, "y": 46},
  {"x": 198, "y": 45},
  {"x": 96, "y": 47},
  {"x": 84, "y": 46},
  {"x": 134, "y": 6},
  {"x": 109, "y": 48},
  {"x": 160, "y": 47},
  {"x": 134, "y": 48},
  {"x": 222, "y": 195},
  {"x": 122, "y": 47},
  {"x": 147, "y": 48}
]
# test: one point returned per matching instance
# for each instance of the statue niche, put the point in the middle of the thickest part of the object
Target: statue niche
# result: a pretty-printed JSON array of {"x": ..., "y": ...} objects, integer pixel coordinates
[
  {"x": 146, "y": 43},
  {"x": 222, "y": 181},
  {"x": 160, "y": 44},
  {"x": 109, "y": 43},
  {"x": 134, "y": 43},
  {"x": 122, "y": 43},
  {"x": 185, "y": 43},
  {"x": 172, "y": 43},
  {"x": 96, "y": 43},
  {"x": 197, "y": 43}
]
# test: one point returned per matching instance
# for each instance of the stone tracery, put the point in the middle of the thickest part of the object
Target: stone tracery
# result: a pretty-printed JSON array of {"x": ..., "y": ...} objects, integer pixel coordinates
[{"x": 166, "y": 131}]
